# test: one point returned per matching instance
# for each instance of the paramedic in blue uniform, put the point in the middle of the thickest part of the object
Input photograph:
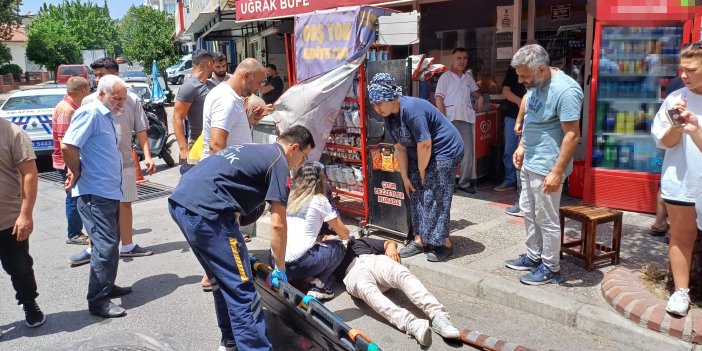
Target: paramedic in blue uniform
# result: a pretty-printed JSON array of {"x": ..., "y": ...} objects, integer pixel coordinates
[{"x": 209, "y": 203}]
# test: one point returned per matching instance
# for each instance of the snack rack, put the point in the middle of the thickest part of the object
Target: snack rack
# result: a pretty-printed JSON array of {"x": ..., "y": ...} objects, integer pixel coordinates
[{"x": 345, "y": 153}]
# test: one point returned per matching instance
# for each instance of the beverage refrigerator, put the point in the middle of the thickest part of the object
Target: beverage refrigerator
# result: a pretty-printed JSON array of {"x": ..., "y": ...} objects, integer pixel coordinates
[{"x": 634, "y": 57}]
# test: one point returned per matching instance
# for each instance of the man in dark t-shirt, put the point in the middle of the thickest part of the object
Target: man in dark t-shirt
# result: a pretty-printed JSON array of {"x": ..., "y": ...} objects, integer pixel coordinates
[
  {"x": 189, "y": 103},
  {"x": 513, "y": 92},
  {"x": 371, "y": 267},
  {"x": 674, "y": 84},
  {"x": 207, "y": 205},
  {"x": 274, "y": 85}
]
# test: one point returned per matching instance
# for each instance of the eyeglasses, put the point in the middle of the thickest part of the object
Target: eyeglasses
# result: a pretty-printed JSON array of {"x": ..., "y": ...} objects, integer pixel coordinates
[{"x": 304, "y": 155}]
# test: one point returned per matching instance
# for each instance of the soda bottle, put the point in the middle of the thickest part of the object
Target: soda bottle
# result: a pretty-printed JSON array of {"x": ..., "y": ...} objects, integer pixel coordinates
[
  {"x": 610, "y": 152},
  {"x": 630, "y": 121},
  {"x": 609, "y": 122}
]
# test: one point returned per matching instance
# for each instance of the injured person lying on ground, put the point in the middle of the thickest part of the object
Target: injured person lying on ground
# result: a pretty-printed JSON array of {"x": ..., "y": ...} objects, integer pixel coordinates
[{"x": 371, "y": 267}]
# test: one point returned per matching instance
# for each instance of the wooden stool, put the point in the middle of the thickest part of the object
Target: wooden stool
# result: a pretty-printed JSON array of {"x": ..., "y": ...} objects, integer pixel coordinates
[{"x": 589, "y": 217}]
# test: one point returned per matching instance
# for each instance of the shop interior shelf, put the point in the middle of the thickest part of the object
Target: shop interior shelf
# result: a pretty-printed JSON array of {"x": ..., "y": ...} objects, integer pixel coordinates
[
  {"x": 624, "y": 135},
  {"x": 633, "y": 100},
  {"x": 617, "y": 75},
  {"x": 354, "y": 194},
  {"x": 630, "y": 37},
  {"x": 351, "y": 205},
  {"x": 344, "y": 147}
]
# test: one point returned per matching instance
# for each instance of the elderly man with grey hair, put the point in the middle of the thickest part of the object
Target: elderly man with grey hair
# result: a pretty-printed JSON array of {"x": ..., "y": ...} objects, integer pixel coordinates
[
  {"x": 94, "y": 175},
  {"x": 544, "y": 156},
  {"x": 225, "y": 121}
]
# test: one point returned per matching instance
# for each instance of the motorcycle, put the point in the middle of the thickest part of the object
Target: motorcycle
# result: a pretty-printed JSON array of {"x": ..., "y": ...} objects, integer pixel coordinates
[{"x": 159, "y": 143}]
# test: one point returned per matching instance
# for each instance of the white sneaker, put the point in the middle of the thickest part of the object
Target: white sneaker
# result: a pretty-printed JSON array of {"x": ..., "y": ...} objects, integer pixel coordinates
[
  {"x": 443, "y": 326},
  {"x": 224, "y": 348},
  {"x": 419, "y": 329},
  {"x": 679, "y": 303}
]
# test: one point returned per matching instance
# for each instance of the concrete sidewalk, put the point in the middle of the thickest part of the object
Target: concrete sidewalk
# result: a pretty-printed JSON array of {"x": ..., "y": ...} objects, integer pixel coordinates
[{"x": 484, "y": 237}]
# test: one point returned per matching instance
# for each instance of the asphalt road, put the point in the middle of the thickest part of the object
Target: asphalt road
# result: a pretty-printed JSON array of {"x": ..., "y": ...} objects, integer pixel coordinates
[{"x": 168, "y": 311}]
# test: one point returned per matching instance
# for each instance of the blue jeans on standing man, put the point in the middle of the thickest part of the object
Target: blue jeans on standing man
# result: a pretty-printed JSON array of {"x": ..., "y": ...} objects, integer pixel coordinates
[
  {"x": 511, "y": 143},
  {"x": 101, "y": 219},
  {"x": 75, "y": 224}
]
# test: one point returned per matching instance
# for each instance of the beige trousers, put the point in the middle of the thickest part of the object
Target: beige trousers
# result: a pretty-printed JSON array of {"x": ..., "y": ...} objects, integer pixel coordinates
[{"x": 369, "y": 276}]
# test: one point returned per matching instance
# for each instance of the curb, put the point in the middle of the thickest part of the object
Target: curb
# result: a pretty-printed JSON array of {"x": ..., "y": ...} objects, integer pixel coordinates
[
  {"x": 622, "y": 289},
  {"x": 554, "y": 307}
]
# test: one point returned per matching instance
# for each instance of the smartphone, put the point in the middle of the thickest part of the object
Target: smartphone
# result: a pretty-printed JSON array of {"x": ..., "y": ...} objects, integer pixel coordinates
[{"x": 674, "y": 116}]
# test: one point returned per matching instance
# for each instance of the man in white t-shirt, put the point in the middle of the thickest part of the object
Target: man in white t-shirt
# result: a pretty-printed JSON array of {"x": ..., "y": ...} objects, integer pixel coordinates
[
  {"x": 224, "y": 113},
  {"x": 453, "y": 99}
]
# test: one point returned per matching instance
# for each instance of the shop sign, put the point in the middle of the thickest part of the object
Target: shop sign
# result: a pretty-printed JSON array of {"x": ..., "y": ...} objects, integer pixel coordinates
[
  {"x": 248, "y": 10},
  {"x": 560, "y": 12},
  {"x": 388, "y": 194},
  {"x": 505, "y": 16},
  {"x": 325, "y": 39}
]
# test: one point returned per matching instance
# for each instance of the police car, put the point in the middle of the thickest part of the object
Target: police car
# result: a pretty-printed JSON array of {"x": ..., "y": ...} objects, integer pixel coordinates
[{"x": 31, "y": 110}]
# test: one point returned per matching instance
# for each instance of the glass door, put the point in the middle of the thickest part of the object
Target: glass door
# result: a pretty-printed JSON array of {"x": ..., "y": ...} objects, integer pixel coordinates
[{"x": 636, "y": 64}]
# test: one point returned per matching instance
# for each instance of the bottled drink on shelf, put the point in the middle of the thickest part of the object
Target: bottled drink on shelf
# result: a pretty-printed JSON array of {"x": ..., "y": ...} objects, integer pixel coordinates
[
  {"x": 620, "y": 123},
  {"x": 610, "y": 152},
  {"x": 630, "y": 121},
  {"x": 609, "y": 121}
]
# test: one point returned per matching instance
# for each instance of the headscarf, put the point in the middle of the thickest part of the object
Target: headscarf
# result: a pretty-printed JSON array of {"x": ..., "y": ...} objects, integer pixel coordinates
[{"x": 383, "y": 88}]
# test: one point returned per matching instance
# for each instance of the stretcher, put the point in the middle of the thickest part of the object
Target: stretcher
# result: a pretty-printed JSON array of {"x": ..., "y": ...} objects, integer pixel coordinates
[{"x": 308, "y": 316}]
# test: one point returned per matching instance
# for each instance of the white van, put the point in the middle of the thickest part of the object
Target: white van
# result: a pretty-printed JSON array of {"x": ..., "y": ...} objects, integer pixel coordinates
[{"x": 178, "y": 72}]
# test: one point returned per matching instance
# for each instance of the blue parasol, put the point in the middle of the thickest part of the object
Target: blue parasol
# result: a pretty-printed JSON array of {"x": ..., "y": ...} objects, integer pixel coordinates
[{"x": 156, "y": 90}]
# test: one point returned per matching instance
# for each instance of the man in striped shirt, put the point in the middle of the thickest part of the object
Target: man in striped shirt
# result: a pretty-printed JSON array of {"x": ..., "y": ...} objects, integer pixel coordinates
[{"x": 77, "y": 88}]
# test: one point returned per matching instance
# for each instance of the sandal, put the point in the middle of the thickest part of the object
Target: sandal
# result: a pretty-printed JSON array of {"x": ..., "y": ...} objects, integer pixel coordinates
[
  {"x": 657, "y": 231},
  {"x": 206, "y": 284},
  {"x": 411, "y": 249}
]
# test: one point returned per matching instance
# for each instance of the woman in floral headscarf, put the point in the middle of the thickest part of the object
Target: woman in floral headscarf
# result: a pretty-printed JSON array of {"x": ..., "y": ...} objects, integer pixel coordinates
[{"x": 428, "y": 148}]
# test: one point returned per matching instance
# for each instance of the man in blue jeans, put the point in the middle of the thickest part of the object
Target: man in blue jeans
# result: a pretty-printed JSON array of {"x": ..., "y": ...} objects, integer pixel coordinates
[
  {"x": 513, "y": 92},
  {"x": 207, "y": 205},
  {"x": 77, "y": 88},
  {"x": 94, "y": 175}
]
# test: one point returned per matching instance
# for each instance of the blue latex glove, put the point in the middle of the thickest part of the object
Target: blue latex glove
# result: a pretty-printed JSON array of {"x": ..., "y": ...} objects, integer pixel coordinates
[
  {"x": 277, "y": 276},
  {"x": 252, "y": 260}
]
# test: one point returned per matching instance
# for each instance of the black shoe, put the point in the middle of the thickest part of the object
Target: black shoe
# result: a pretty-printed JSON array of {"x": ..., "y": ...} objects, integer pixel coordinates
[
  {"x": 119, "y": 291},
  {"x": 109, "y": 311},
  {"x": 439, "y": 253},
  {"x": 467, "y": 189},
  {"x": 33, "y": 316}
]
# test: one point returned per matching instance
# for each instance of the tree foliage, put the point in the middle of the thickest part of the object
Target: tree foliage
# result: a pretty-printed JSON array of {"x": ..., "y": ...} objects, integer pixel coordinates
[
  {"x": 86, "y": 24},
  {"x": 5, "y": 54},
  {"x": 147, "y": 34},
  {"x": 9, "y": 17},
  {"x": 50, "y": 45}
]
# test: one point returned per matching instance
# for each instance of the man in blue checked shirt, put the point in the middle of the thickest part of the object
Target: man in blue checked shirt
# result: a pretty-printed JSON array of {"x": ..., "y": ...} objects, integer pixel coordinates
[{"x": 94, "y": 175}]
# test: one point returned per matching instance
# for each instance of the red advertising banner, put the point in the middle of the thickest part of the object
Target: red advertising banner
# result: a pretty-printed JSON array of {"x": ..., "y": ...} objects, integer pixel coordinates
[
  {"x": 485, "y": 133},
  {"x": 247, "y": 10},
  {"x": 643, "y": 10}
]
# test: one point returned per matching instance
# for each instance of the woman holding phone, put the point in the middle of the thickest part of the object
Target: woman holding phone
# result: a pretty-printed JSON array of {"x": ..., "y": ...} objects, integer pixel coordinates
[{"x": 682, "y": 167}]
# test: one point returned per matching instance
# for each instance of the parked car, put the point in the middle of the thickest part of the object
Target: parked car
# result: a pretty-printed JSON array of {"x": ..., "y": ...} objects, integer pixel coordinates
[
  {"x": 136, "y": 76},
  {"x": 67, "y": 71},
  {"x": 31, "y": 110},
  {"x": 142, "y": 90},
  {"x": 177, "y": 73}
]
